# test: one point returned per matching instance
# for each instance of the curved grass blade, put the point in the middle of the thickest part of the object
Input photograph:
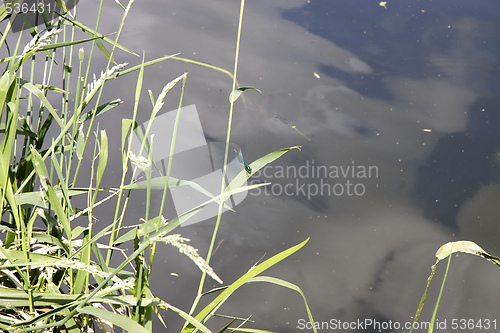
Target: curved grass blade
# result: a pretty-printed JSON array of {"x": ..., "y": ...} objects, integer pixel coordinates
[
  {"x": 50, "y": 239},
  {"x": 100, "y": 110},
  {"x": 191, "y": 320},
  {"x": 19, "y": 131},
  {"x": 288, "y": 285},
  {"x": 103, "y": 159},
  {"x": 93, "y": 33},
  {"x": 150, "y": 226},
  {"x": 146, "y": 64},
  {"x": 234, "y": 95},
  {"x": 41, "y": 170},
  {"x": 19, "y": 298},
  {"x": 161, "y": 182},
  {"x": 63, "y": 185},
  {"x": 122, "y": 321},
  {"x": 62, "y": 5},
  {"x": 465, "y": 247},
  {"x": 44, "y": 260},
  {"x": 38, "y": 93},
  {"x": 36, "y": 198},
  {"x": 204, "y": 64},
  {"x": 443, "y": 252},
  {"x": 222, "y": 330},
  {"x": 46, "y": 47},
  {"x": 219, "y": 300},
  {"x": 146, "y": 227},
  {"x": 242, "y": 177}
]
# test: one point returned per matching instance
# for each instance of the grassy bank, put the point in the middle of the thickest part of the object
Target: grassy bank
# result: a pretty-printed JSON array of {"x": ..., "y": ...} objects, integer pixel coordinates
[{"x": 56, "y": 272}]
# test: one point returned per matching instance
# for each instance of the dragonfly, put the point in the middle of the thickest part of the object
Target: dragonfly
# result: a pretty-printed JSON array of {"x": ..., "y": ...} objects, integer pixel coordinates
[{"x": 242, "y": 161}]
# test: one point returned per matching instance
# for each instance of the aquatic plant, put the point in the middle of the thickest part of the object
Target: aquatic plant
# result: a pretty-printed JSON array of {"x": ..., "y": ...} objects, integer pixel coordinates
[
  {"x": 446, "y": 251},
  {"x": 56, "y": 275}
]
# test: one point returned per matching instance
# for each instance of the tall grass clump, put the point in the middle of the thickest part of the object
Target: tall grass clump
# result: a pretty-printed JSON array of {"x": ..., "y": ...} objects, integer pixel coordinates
[{"x": 56, "y": 273}]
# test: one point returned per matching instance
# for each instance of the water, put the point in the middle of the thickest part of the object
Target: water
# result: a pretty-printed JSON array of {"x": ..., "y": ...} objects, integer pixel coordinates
[{"x": 410, "y": 90}]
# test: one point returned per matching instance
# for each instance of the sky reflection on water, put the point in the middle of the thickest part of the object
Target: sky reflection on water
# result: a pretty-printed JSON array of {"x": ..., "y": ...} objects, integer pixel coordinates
[{"x": 411, "y": 88}]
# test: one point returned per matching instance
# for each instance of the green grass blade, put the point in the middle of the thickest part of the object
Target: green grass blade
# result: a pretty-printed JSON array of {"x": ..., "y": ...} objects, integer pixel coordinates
[
  {"x": 19, "y": 298},
  {"x": 250, "y": 330},
  {"x": 146, "y": 64},
  {"x": 187, "y": 215},
  {"x": 36, "y": 198},
  {"x": 191, "y": 320},
  {"x": 64, "y": 189},
  {"x": 80, "y": 143},
  {"x": 103, "y": 159},
  {"x": 288, "y": 285},
  {"x": 17, "y": 258},
  {"x": 161, "y": 183},
  {"x": 204, "y": 64},
  {"x": 242, "y": 280},
  {"x": 242, "y": 177},
  {"x": 237, "y": 92},
  {"x": 43, "y": 316},
  {"x": 434, "y": 313},
  {"x": 41, "y": 170},
  {"x": 47, "y": 47},
  {"x": 24, "y": 129},
  {"x": 43, "y": 131},
  {"x": 101, "y": 110},
  {"x": 94, "y": 239},
  {"x": 93, "y": 33},
  {"x": 10, "y": 126},
  {"x": 127, "y": 126},
  {"x": 6, "y": 150},
  {"x": 50, "y": 239},
  {"x": 53, "y": 261},
  {"x": 225, "y": 328},
  {"x": 465, "y": 247},
  {"x": 139, "y": 279},
  {"x": 104, "y": 50},
  {"x": 3, "y": 14},
  {"x": 119, "y": 320},
  {"x": 146, "y": 227},
  {"x": 38, "y": 93},
  {"x": 62, "y": 5},
  {"x": 5, "y": 83},
  {"x": 65, "y": 44},
  {"x": 228, "y": 137}
]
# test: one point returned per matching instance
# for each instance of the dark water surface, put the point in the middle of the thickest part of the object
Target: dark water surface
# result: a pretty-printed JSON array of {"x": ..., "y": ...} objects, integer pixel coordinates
[{"x": 403, "y": 100}]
